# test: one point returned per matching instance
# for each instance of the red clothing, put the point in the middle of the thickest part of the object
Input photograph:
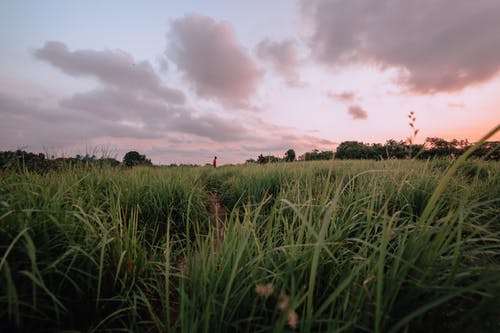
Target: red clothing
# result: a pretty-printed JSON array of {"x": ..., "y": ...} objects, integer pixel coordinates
[{"x": 215, "y": 163}]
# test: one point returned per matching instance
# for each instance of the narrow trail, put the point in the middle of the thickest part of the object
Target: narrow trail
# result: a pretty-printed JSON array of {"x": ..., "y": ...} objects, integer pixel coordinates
[
  {"x": 217, "y": 220},
  {"x": 217, "y": 215}
]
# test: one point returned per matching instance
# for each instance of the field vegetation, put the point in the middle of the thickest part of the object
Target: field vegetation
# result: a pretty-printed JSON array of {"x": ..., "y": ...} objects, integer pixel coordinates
[{"x": 320, "y": 246}]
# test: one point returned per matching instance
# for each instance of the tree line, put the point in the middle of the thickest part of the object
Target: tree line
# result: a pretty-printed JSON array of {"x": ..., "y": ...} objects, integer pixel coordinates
[
  {"x": 392, "y": 149},
  {"x": 355, "y": 150},
  {"x": 432, "y": 148},
  {"x": 23, "y": 160}
]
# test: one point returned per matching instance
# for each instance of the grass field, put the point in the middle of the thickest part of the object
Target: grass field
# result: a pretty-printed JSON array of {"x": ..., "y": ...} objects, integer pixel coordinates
[{"x": 334, "y": 246}]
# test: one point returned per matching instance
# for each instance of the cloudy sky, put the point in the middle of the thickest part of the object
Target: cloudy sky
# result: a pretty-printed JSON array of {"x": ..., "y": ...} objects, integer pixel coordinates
[{"x": 182, "y": 81}]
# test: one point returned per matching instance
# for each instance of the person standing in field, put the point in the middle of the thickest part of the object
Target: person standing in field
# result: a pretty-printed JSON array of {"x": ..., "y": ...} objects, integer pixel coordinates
[{"x": 214, "y": 163}]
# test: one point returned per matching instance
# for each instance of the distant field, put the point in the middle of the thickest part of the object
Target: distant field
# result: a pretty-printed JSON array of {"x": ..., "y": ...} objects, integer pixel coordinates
[{"x": 354, "y": 246}]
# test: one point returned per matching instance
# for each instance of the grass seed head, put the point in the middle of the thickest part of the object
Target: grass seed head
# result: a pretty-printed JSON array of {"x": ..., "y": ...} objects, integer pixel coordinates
[
  {"x": 264, "y": 290},
  {"x": 293, "y": 319}
]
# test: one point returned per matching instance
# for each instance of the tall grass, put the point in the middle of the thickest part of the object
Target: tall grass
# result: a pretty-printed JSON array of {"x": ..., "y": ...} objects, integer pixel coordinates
[{"x": 340, "y": 246}]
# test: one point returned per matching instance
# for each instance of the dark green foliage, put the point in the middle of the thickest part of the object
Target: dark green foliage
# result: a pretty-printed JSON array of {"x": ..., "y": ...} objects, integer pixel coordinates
[
  {"x": 261, "y": 159},
  {"x": 21, "y": 160},
  {"x": 471, "y": 170},
  {"x": 352, "y": 245},
  {"x": 432, "y": 148},
  {"x": 489, "y": 151},
  {"x": 133, "y": 158},
  {"x": 317, "y": 155},
  {"x": 289, "y": 155},
  {"x": 392, "y": 149},
  {"x": 354, "y": 150},
  {"x": 81, "y": 236}
]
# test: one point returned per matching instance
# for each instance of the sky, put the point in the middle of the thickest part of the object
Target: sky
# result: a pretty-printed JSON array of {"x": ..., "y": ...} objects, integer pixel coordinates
[{"x": 183, "y": 81}]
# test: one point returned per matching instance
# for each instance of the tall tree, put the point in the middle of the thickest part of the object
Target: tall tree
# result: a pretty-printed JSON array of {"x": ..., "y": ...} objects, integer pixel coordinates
[{"x": 290, "y": 155}]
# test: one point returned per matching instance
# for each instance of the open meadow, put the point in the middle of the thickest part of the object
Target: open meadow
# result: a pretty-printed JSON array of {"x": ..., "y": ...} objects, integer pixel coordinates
[{"x": 326, "y": 246}]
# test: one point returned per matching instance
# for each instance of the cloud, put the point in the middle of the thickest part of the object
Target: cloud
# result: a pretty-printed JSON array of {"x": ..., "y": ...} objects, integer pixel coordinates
[
  {"x": 344, "y": 97},
  {"x": 212, "y": 59},
  {"x": 110, "y": 113},
  {"x": 32, "y": 108},
  {"x": 133, "y": 102},
  {"x": 154, "y": 116},
  {"x": 211, "y": 126},
  {"x": 356, "y": 112},
  {"x": 284, "y": 58},
  {"x": 114, "y": 105},
  {"x": 165, "y": 133},
  {"x": 35, "y": 124},
  {"x": 114, "y": 68},
  {"x": 162, "y": 64},
  {"x": 438, "y": 45}
]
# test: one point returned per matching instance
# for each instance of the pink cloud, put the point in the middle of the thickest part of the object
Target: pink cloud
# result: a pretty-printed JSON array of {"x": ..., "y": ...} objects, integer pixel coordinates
[
  {"x": 213, "y": 60},
  {"x": 113, "y": 68},
  {"x": 357, "y": 112},
  {"x": 284, "y": 58},
  {"x": 344, "y": 97}
]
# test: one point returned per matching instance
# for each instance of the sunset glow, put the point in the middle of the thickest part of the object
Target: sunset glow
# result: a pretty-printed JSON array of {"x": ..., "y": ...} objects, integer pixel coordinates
[{"x": 186, "y": 80}]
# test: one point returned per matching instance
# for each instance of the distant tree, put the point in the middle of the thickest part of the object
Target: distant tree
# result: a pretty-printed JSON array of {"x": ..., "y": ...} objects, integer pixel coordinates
[
  {"x": 490, "y": 150},
  {"x": 273, "y": 159},
  {"x": 417, "y": 151},
  {"x": 261, "y": 159},
  {"x": 353, "y": 150},
  {"x": 21, "y": 160},
  {"x": 438, "y": 147},
  {"x": 133, "y": 158},
  {"x": 325, "y": 155},
  {"x": 88, "y": 158},
  {"x": 358, "y": 150},
  {"x": 396, "y": 149},
  {"x": 376, "y": 151},
  {"x": 393, "y": 149},
  {"x": 108, "y": 161},
  {"x": 289, "y": 155},
  {"x": 316, "y": 155}
]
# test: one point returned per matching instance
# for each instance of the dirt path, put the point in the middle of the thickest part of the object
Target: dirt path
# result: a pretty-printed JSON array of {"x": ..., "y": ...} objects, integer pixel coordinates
[
  {"x": 217, "y": 217},
  {"x": 217, "y": 214}
]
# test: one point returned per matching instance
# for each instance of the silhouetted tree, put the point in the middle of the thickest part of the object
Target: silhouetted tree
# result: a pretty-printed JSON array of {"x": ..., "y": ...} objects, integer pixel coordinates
[
  {"x": 352, "y": 150},
  {"x": 21, "y": 160},
  {"x": 489, "y": 151},
  {"x": 289, "y": 155},
  {"x": 261, "y": 159},
  {"x": 133, "y": 158},
  {"x": 396, "y": 149},
  {"x": 316, "y": 155},
  {"x": 392, "y": 149}
]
